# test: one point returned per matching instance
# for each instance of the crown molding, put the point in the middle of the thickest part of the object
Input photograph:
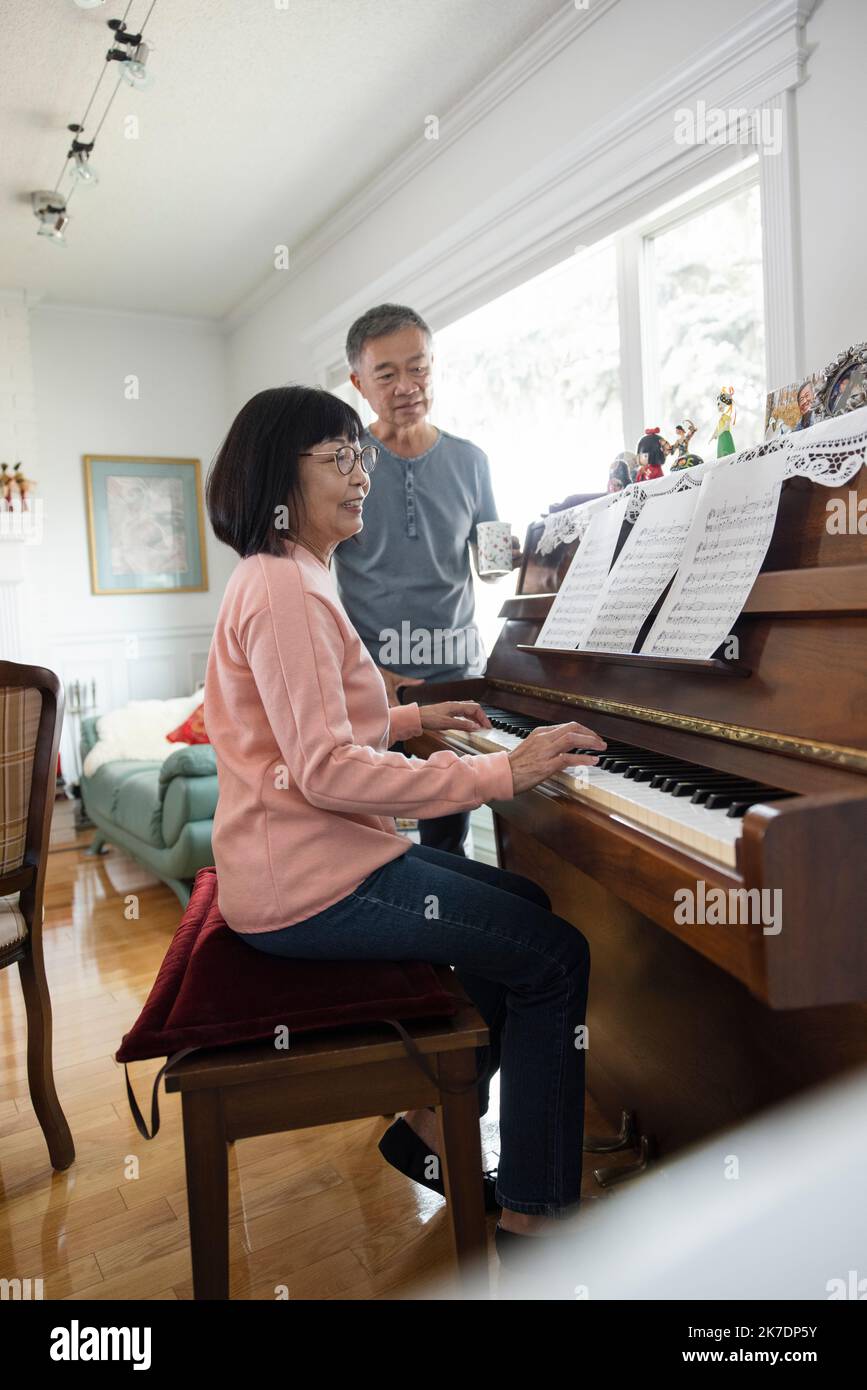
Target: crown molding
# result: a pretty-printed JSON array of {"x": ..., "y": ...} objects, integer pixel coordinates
[
  {"x": 561, "y": 30},
  {"x": 61, "y": 310}
]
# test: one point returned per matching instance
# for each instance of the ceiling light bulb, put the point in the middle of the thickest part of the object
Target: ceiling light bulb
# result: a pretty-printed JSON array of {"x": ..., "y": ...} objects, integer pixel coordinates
[
  {"x": 82, "y": 170},
  {"x": 54, "y": 231},
  {"x": 135, "y": 71}
]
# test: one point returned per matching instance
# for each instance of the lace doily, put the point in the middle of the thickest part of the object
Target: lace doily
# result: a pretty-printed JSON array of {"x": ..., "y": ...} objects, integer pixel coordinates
[{"x": 830, "y": 453}]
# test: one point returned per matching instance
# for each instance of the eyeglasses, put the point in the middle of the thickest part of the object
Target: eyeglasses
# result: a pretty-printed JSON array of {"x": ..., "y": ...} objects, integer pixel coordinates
[{"x": 346, "y": 456}]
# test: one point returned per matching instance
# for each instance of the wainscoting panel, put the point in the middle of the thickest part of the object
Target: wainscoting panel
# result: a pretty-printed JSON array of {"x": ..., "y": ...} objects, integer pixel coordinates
[{"x": 138, "y": 665}]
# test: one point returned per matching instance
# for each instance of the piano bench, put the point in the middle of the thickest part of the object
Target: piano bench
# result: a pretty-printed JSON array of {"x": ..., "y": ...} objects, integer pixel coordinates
[
  {"x": 328, "y": 1078},
  {"x": 259, "y": 1045}
]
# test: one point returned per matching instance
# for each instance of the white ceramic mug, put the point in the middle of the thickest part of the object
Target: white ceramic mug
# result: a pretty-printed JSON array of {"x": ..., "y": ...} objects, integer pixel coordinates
[{"x": 494, "y": 541}]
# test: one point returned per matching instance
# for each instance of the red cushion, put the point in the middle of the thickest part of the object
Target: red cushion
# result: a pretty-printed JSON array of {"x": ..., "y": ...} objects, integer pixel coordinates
[
  {"x": 192, "y": 730},
  {"x": 213, "y": 989}
]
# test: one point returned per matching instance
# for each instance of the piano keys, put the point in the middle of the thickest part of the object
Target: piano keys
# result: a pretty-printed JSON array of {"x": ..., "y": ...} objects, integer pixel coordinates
[{"x": 649, "y": 790}]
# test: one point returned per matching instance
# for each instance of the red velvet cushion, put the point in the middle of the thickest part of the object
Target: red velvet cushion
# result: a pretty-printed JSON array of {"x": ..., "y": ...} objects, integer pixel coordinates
[
  {"x": 192, "y": 730},
  {"x": 213, "y": 989}
]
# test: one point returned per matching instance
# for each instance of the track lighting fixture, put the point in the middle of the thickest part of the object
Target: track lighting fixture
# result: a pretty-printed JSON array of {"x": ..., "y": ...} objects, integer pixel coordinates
[
  {"x": 131, "y": 53},
  {"x": 133, "y": 57},
  {"x": 49, "y": 207},
  {"x": 79, "y": 155}
]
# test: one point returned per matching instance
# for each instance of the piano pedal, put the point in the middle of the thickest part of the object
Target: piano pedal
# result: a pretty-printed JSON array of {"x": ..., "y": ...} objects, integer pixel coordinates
[
  {"x": 609, "y": 1177},
  {"x": 624, "y": 1140}
]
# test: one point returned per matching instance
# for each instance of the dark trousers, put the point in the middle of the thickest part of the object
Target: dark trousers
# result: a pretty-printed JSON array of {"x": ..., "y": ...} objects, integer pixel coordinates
[
  {"x": 446, "y": 833},
  {"x": 525, "y": 970}
]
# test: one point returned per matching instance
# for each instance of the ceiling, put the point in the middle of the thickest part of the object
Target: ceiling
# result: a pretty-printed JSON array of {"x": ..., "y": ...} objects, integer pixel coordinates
[{"x": 263, "y": 120}]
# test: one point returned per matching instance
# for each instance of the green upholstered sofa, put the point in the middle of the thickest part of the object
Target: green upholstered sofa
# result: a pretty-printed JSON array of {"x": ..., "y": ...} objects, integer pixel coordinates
[{"x": 160, "y": 813}]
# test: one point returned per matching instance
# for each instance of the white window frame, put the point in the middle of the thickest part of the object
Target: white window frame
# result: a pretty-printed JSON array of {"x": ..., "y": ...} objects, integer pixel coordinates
[{"x": 640, "y": 388}]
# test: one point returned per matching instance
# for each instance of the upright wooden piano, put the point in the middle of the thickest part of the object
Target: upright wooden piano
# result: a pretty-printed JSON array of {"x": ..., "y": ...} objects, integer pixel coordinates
[{"x": 695, "y": 1027}]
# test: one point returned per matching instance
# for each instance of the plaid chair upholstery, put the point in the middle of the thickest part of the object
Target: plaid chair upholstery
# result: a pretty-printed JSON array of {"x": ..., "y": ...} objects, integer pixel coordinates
[
  {"x": 31, "y": 714},
  {"x": 19, "y": 724}
]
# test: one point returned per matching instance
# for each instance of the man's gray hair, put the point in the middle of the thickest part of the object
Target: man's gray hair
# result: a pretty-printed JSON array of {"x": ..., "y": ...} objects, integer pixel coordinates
[{"x": 376, "y": 323}]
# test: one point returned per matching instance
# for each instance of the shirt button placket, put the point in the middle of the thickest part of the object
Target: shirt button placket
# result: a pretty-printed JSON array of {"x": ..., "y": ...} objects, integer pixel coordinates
[{"x": 409, "y": 491}]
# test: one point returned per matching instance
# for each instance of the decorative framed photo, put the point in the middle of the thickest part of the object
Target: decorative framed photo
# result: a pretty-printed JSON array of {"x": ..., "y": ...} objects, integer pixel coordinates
[
  {"x": 793, "y": 407},
  {"x": 145, "y": 525},
  {"x": 844, "y": 381},
  {"x": 841, "y": 387}
]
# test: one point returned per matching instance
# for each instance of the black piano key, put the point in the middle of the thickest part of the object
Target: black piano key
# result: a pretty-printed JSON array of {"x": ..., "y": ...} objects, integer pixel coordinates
[
  {"x": 718, "y": 799},
  {"x": 742, "y": 805},
  {"x": 633, "y": 757},
  {"x": 703, "y": 793},
  {"x": 667, "y": 781},
  {"x": 646, "y": 774},
  {"x": 685, "y": 786}
]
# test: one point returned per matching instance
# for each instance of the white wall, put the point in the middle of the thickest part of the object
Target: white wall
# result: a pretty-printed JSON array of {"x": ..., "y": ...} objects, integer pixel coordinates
[
  {"x": 832, "y": 125},
  {"x": 19, "y": 530},
  {"x": 633, "y": 49},
  {"x": 137, "y": 646}
]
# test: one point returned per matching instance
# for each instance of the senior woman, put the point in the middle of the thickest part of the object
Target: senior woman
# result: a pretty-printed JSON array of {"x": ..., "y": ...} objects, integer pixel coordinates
[{"x": 309, "y": 863}]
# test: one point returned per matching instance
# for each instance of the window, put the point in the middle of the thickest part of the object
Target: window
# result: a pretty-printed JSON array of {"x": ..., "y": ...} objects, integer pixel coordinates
[
  {"x": 533, "y": 378},
  {"x": 705, "y": 321}
]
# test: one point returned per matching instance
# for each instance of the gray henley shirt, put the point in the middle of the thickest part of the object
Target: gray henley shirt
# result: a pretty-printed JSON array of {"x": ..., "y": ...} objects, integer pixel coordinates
[{"x": 406, "y": 580}]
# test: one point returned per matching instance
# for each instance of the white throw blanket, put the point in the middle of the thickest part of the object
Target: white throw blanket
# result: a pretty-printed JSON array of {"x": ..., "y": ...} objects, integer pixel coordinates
[{"x": 138, "y": 731}]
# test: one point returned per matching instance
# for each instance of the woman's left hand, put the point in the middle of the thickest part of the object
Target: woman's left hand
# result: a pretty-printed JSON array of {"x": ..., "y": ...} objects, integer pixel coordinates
[{"x": 454, "y": 714}]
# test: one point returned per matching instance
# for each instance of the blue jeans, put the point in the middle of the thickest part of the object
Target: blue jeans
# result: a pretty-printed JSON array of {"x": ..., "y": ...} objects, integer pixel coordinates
[{"x": 524, "y": 969}]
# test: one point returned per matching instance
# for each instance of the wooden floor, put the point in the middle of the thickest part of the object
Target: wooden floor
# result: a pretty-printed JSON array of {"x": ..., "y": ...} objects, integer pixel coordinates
[{"x": 318, "y": 1211}]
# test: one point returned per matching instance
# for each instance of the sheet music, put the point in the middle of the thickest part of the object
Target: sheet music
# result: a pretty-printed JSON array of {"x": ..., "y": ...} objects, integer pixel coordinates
[
  {"x": 728, "y": 541},
  {"x": 644, "y": 566},
  {"x": 573, "y": 605}
]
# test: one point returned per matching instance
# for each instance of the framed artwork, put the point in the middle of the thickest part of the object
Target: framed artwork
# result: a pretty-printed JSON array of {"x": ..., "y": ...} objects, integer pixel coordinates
[
  {"x": 841, "y": 387},
  {"x": 844, "y": 381},
  {"x": 145, "y": 525}
]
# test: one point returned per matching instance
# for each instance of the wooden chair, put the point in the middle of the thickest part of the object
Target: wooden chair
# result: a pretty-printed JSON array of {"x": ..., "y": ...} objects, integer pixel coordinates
[
  {"x": 325, "y": 1078},
  {"x": 31, "y": 715}
]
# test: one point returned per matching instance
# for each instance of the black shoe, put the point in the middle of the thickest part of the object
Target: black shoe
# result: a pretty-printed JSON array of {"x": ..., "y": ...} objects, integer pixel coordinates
[{"x": 404, "y": 1150}]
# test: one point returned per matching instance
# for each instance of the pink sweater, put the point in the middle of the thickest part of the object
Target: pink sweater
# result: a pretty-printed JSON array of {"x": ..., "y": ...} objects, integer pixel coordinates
[{"x": 297, "y": 714}]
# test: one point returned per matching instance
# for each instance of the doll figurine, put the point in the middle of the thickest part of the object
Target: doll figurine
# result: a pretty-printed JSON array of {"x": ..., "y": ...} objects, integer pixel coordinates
[
  {"x": 723, "y": 432},
  {"x": 650, "y": 456},
  {"x": 622, "y": 471},
  {"x": 684, "y": 433},
  {"x": 6, "y": 486},
  {"x": 23, "y": 484}
]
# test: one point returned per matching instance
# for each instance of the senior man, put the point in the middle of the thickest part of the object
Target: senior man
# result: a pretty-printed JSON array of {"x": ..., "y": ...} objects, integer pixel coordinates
[{"x": 405, "y": 579}]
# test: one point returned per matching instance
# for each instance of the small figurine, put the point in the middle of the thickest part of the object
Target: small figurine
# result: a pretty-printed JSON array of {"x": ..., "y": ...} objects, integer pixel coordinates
[
  {"x": 651, "y": 455},
  {"x": 23, "y": 484},
  {"x": 684, "y": 432},
  {"x": 622, "y": 471},
  {"x": 6, "y": 485},
  {"x": 723, "y": 432}
]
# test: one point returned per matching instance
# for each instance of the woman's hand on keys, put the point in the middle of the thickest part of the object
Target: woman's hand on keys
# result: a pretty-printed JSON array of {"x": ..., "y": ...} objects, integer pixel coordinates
[{"x": 548, "y": 750}]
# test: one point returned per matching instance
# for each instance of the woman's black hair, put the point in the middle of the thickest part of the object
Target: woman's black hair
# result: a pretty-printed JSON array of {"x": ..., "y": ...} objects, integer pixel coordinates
[{"x": 253, "y": 491}]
